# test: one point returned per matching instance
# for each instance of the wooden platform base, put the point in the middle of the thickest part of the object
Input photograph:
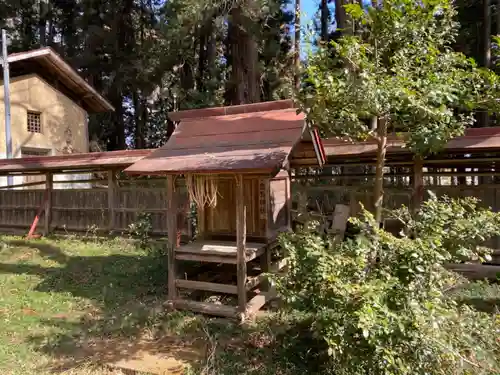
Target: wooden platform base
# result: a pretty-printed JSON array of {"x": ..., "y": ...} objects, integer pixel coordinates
[
  {"x": 252, "y": 307},
  {"x": 247, "y": 281},
  {"x": 207, "y": 308},
  {"x": 476, "y": 271},
  {"x": 206, "y": 286},
  {"x": 217, "y": 251}
]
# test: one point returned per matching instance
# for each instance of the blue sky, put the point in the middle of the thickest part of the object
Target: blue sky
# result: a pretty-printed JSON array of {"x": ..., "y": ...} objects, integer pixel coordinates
[
  {"x": 309, "y": 7},
  {"x": 308, "y": 10}
]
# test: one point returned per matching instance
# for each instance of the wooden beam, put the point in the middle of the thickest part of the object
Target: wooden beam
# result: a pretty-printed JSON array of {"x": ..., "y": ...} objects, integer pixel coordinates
[
  {"x": 241, "y": 242},
  {"x": 203, "y": 285},
  {"x": 111, "y": 199},
  {"x": 205, "y": 258},
  {"x": 81, "y": 181},
  {"x": 418, "y": 183},
  {"x": 288, "y": 204},
  {"x": 201, "y": 222},
  {"x": 353, "y": 203},
  {"x": 207, "y": 308},
  {"x": 265, "y": 266},
  {"x": 256, "y": 303},
  {"x": 339, "y": 223},
  {"x": 48, "y": 203},
  {"x": 278, "y": 265},
  {"x": 268, "y": 208},
  {"x": 255, "y": 281},
  {"x": 462, "y": 174},
  {"x": 346, "y": 176},
  {"x": 172, "y": 236},
  {"x": 37, "y": 216},
  {"x": 475, "y": 271},
  {"x": 22, "y": 185}
]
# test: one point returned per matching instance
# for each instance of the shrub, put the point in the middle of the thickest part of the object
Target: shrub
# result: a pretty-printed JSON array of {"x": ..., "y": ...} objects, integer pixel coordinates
[
  {"x": 141, "y": 229},
  {"x": 379, "y": 300}
]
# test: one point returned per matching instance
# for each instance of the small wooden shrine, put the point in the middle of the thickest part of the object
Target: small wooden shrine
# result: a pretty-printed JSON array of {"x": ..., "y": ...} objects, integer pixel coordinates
[{"x": 235, "y": 164}]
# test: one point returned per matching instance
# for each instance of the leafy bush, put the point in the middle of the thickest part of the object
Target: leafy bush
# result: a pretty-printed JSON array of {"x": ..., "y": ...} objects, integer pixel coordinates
[
  {"x": 141, "y": 229},
  {"x": 379, "y": 300},
  {"x": 156, "y": 251}
]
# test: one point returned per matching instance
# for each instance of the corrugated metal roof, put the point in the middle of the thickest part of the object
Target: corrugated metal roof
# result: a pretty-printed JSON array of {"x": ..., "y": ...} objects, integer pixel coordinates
[
  {"x": 338, "y": 147},
  {"x": 477, "y": 139},
  {"x": 46, "y": 63},
  {"x": 84, "y": 161},
  {"x": 231, "y": 110},
  {"x": 257, "y": 142},
  {"x": 279, "y": 132}
]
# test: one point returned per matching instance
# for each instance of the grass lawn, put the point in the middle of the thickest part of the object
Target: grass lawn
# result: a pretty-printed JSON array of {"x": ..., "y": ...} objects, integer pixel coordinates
[
  {"x": 64, "y": 303},
  {"x": 74, "y": 307}
]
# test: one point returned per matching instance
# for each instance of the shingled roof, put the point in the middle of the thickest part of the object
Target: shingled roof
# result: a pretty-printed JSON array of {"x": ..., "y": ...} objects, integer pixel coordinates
[
  {"x": 84, "y": 161},
  {"x": 47, "y": 64},
  {"x": 256, "y": 138}
]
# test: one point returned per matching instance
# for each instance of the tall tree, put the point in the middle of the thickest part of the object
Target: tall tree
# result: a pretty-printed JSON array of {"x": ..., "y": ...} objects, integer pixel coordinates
[
  {"x": 296, "y": 51},
  {"x": 401, "y": 74},
  {"x": 325, "y": 20},
  {"x": 244, "y": 81}
]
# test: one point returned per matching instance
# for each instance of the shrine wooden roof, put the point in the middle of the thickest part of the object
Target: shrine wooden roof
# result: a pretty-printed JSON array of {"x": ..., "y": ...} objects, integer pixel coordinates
[{"x": 255, "y": 138}]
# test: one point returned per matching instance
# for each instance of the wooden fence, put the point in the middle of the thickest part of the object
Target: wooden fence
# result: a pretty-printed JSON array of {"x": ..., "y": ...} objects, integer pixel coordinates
[
  {"x": 96, "y": 209},
  {"x": 321, "y": 193},
  {"x": 325, "y": 197},
  {"x": 113, "y": 205}
]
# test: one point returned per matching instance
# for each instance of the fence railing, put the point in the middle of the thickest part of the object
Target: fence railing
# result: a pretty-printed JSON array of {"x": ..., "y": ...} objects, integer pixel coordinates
[
  {"x": 101, "y": 208},
  {"x": 323, "y": 192}
]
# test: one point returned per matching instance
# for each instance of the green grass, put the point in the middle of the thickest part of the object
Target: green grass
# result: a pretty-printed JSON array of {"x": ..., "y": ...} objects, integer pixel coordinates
[
  {"x": 58, "y": 298},
  {"x": 71, "y": 306}
]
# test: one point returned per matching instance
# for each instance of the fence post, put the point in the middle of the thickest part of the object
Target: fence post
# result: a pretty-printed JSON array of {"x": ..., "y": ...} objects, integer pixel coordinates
[
  {"x": 418, "y": 183},
  {"x": 111, "y": 199},
  {"x": 172, "y": 237},
  {"x": 48, "y": 203}
]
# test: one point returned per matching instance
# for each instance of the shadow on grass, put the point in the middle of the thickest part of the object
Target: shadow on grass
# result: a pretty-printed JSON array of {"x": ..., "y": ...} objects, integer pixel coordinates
[
  {"x": 489, "y": 306},
  {"x": 126, "y": 295},
  {"x": 127, "y": 318},
  {"x": 484, "y": 296},
  {"x": 273, "y": 346}
]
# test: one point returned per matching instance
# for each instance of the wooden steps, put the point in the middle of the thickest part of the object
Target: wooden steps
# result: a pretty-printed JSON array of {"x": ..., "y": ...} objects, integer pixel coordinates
[
  {"x": 476, "y": 271},
  {"x": 218, "y": 251},
  {"x": 205, "y": 258},
  {"x": 206, "y": 286},
  {"x": 257, "y": 302},
  {"x": 251, "y": 308},
  {"x": 207, "y": 308}
]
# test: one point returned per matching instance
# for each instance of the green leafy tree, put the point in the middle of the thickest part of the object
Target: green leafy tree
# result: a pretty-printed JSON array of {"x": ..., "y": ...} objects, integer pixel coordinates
[
  {"x": 399, "y": 73},
  {"x": 380, "y": 301}
]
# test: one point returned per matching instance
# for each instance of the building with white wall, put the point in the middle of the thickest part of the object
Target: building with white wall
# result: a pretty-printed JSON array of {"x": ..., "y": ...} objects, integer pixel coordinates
[{"x": 50, "y": 103}]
